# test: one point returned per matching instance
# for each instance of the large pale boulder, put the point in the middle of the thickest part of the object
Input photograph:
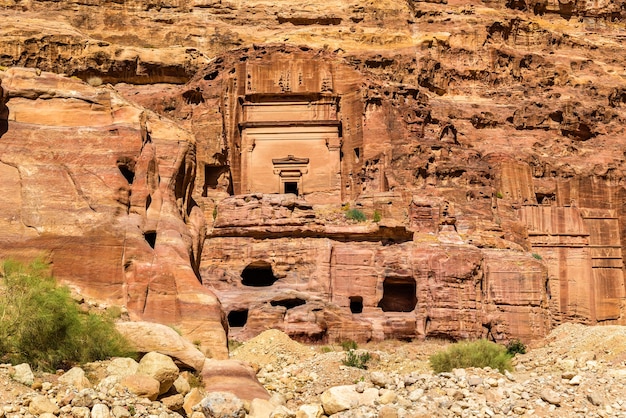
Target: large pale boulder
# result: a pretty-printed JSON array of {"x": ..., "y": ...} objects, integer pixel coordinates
[
  {"x": 41, "y": 404},
  {"x": 142, "y": 385},
  {"x": 342, "y": 398},
  {"x": 122, "y": 366},
  {"x": 76, "y": 378},
  {"x": 150, "y": 336},
  {"x": 22, "y": 373},
  {"x": 310, "y": 411},
  {"x": 160, "y": 367}
]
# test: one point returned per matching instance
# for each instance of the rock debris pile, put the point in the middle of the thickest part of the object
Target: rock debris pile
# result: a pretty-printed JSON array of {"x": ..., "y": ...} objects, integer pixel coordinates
[{"x": 578, "y": 371}]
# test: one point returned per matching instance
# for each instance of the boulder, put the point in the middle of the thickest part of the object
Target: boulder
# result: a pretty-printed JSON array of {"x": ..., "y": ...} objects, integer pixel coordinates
[
  {"x": 41, "y": 405},
  {"x": 149, "y": 336},
  {"x": 142, "y": 385},
  {"x": 75, "y": 377},
  {"x": 159, "y": 367},
  {"x": 122, "y": 366},
  {"x": 222, "y": 405},
  {"x": 181, "y": 384},
  {"x": 23, "y": 374},
  {"x": 232, "y": 376},
  {"x": 342, "y": 398},
  {"x": 174, "y": 402},
  {"x": 100, "y": 410},
  {"x": 309, "y": 411}
]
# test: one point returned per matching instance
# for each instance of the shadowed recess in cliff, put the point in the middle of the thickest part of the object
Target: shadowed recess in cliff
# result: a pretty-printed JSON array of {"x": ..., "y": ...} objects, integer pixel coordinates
[
  {"x": 399, "y": 295},
  {"x": 258, "y": 274},
  {"x": 237, "y": 319}
]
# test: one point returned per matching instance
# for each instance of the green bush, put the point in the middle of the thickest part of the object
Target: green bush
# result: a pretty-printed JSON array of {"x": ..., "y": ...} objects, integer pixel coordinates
[
  {"x": 358, "y": 360},
  {"x": 515, "y": 347},
  {"x": 41, "y": 324},
  {"x": 355, "y": 215},
  {"x": 480, "y": 353},
  {"x": 377, "y": 216},
  {"x": 349, "y": 345},
  {"x": 537, "y": 256}
]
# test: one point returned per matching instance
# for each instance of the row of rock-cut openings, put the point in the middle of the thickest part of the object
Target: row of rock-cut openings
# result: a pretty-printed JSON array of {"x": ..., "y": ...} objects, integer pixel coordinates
[{"x": 399, "y": 294}]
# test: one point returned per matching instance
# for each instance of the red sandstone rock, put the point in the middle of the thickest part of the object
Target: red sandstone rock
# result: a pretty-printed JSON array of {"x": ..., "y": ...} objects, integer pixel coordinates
[
  {"x": 103, "y": 194},
  {"x": 487, "y": 137},
  {"x": 232, "y": 376}
]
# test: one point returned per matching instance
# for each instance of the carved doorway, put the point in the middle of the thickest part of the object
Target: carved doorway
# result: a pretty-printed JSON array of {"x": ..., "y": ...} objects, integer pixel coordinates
[
  {"x": 290, "y": 187},
  {"x": 290, "y": 171}
]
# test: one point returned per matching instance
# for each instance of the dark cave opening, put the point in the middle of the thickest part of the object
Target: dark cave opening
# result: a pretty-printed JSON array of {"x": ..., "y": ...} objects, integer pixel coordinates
[
  {"x": 258, "y": 274},
  {"x": 399, "y": 295},
  {"x": 237, "y": 319},
  {"x": 356, "y": 304}
]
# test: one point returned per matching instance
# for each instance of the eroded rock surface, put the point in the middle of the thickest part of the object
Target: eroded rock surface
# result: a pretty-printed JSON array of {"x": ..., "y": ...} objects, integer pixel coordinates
[
  {"x": 100, "y": 188},
  {"x": 482, "y": 142}
]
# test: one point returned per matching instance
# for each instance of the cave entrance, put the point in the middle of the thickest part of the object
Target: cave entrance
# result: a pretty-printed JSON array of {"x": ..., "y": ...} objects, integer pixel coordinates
[
  {"x": 237, "y": 319},
  {"x": 258, "y": 274},
  {"x": 356, "y": 304},
  {"x": 398, "y": 295}
]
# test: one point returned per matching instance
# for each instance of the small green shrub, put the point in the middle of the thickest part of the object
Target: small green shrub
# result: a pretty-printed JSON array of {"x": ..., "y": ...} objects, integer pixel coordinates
[
  {"x": 355, "y": 215},
  {"x": 358, "y": 360},
  {"x": 377, "y": 216},
  {"x": 326, "y": 349},
  {"x": 515, "y": 347},
  {"x": 41, "y": 324},
  {"x": 349, "y": 345},
  {"x": 480, "y": 353},
  {"x": 234, "y": 344},
  {"x": 537, "y": 256},
  {"x": 214, "y": 212},
  {"x": 499, "y": 195}
]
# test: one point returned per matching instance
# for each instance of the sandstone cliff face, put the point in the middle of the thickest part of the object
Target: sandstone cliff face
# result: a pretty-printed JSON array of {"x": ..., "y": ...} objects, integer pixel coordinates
[
  {"x": 485, "y": 138},
  {"x": 100, "y": 187}
]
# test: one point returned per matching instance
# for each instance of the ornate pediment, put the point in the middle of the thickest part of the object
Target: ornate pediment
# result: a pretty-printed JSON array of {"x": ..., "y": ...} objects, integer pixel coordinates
[{"x": 290, "y": 160}]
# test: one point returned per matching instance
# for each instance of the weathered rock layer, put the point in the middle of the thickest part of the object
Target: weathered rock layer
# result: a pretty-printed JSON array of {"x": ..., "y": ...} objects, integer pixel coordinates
[{"x": 482, "y": 141}]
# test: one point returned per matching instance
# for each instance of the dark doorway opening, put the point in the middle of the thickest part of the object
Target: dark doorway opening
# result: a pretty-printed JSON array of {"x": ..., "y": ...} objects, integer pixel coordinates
[
  {"x": 291, "y": 187},
  {"x": 258, "y": 274},
  {"x": 237, "y": 319},
  {"x": 356, "y": 304},
  {"x": 288, "y": 303},
  {"x": 398, "y": 295},
  {"x": 150, "y": 238}
]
